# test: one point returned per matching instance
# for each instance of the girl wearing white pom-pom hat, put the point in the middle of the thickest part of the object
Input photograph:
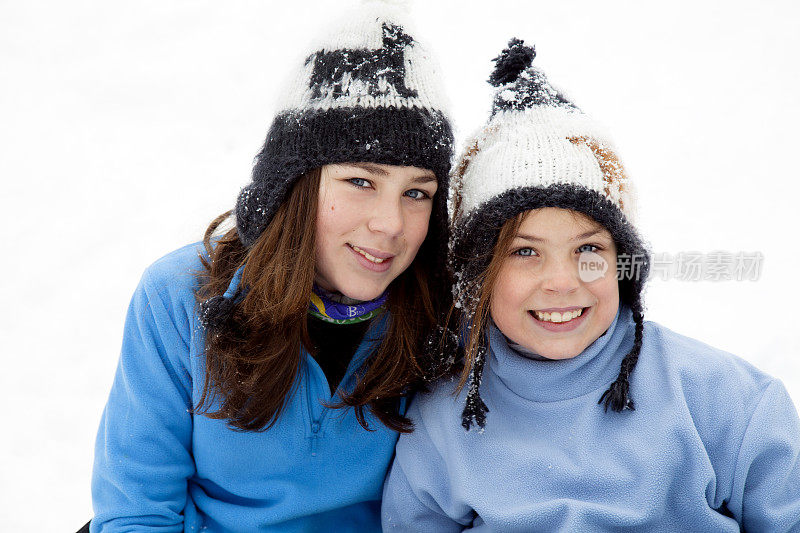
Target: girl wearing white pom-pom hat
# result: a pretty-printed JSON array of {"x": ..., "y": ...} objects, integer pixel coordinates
[
  {"x": 578, "y": 415},
  {"x": 263, "y": 371}
]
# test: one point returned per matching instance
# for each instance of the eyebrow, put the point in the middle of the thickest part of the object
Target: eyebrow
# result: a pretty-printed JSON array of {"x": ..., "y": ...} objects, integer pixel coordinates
[
  {"x": 580, "y": 237},
  {"x": 375, "y": 169},
  {"x": 369, "y": 167},
  {"x": 427, "y": 178}
]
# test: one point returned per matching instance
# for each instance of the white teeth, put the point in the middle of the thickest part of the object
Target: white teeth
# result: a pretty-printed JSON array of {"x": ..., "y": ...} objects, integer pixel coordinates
[
  {"x": 558, "y": 318},
  {"x": 367, "y": 255}
]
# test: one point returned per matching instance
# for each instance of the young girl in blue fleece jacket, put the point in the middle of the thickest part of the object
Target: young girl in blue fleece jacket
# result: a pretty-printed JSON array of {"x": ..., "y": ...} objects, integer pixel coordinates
[
  {"x": 261, "y": 378},
  {"x": 590, "y": 418}
]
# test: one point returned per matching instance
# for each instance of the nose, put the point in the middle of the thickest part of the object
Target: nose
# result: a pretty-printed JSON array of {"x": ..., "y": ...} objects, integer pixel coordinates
[
  {"x": 560, "y": 276},
  {"x": 387, "y": 217}
]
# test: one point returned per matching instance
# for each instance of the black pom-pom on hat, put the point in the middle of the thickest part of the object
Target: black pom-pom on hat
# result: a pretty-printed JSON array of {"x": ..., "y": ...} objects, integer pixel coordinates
[{"x": 511, "y": 62}]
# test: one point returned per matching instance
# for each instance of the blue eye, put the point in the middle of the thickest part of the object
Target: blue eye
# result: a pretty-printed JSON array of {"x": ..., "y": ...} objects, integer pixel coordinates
[
  {"x": 361, "y": 183},
  {"x": 525, "y": 252},
  {"x": 588, "y": 248},
  {"x": 416, "y": 194}
]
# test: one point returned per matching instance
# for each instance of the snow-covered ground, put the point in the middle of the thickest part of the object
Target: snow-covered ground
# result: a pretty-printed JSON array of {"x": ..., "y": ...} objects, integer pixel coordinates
[{"x": 125, "y": 127}]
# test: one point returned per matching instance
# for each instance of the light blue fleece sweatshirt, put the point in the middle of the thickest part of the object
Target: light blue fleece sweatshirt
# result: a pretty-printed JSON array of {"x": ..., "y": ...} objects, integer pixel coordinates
[
  {"x": 713, "y": 445},
  {"x": 160, "y": 468}
]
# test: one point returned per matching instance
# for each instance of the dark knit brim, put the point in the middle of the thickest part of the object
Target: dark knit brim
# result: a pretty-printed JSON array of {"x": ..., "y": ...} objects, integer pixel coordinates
[
  {"x": 474, "y": 238},
  {"x": 299, "y": 141}
]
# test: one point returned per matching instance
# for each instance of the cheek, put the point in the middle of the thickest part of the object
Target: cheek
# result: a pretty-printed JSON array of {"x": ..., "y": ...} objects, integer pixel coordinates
[
  {"x": 417, "y": 222},
  {"x": 508, "y": 295},
  {"x": 324, "y": 231},
  {"x": 608, "y": 287},
  {"x": 326, "y": 209},
  {"x": 606, "y": 291},
  {"x": 335, "y": 217},
  {"x": 327, "y": 229}
]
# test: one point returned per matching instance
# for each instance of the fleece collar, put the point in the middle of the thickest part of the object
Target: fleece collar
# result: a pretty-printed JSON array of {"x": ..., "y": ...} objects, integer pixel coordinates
[{"x": 555, "y": 380}]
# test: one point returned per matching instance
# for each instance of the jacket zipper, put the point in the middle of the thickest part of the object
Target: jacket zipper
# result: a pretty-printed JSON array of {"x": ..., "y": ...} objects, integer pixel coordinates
[{"x": 316, "y": 423}]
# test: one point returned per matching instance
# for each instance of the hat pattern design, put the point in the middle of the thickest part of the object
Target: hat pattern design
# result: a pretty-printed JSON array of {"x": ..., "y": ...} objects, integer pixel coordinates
[{"x": 372, "y": 71}]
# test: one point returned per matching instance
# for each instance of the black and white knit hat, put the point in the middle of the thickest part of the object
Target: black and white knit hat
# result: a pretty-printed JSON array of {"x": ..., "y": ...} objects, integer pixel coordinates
[
  {"x": 538, "y": 150},
  {"x": 369, "y": 92}
]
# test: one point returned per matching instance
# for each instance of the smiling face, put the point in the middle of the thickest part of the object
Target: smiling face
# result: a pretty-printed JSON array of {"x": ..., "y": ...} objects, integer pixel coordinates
[
  {"x": 371, "y": 221},
  {"x": 540, "y": 299}
]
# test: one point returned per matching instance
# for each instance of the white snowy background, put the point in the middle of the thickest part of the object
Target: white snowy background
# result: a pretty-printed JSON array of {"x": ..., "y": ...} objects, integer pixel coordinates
[{"x": 125, "y": 127}]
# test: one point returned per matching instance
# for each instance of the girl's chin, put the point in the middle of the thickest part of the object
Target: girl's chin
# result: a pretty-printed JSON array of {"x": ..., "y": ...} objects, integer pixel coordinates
[
  {"x": 560, "y": 356},
  {"x": 361, "y": 291},
  {"x": 555, "y": 352},
  {"x": 356, "y": 289}
]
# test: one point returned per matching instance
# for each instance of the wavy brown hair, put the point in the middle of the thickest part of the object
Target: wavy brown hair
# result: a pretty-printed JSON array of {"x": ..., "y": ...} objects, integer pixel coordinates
[
  {"x": 475, "y": 320},
  {"x": 252, "y": 362}
]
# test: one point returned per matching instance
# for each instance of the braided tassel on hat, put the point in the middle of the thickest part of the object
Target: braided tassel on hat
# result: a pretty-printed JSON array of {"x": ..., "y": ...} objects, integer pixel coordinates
[{"x": 218, "y": 310}]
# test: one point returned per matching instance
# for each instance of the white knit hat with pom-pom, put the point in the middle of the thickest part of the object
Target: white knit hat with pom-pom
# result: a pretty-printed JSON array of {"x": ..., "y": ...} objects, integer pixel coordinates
[{"x": 536, "y": 137}]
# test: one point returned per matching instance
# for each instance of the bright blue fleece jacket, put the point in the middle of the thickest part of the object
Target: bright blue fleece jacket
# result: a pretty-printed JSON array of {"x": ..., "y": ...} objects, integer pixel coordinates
[
  {"x": 714, "y": 444},
  {"x": 160, "y": 468}
]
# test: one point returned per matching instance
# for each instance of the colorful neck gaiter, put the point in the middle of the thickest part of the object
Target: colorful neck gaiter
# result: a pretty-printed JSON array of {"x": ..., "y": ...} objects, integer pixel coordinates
[{"x": 339, "y": 309}]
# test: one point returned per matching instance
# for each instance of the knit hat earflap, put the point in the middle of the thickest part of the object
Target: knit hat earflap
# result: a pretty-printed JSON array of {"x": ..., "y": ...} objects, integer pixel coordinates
[
  {"x": 217, "y": 310},
  {"x": 537, "y": 150}
]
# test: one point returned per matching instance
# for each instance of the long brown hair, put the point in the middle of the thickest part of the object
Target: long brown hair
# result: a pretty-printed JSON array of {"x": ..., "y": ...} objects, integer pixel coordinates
[
  {"x": 253, "y": 363},
  {"x": 474, "y": 320}
]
